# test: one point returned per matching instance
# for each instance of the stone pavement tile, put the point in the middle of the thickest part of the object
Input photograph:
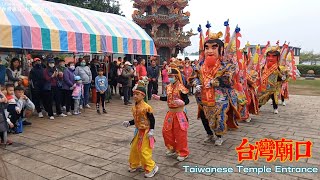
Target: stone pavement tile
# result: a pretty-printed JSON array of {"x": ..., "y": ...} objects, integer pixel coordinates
[
  {"x": 314, "y": 160},
  {"x": 198, "y": 152},
  {"x": 157, "y": 177},
  {"x": 50, "y": 172},
  {"x": 169, "y": 161},
  {"x": 119, "y": 169},
  {"x": 191, "y": 176},
  {"x": 85, "y": 170},
  {"x": 54, "y": 160},
  {"x": 111, "y": 176},
  {"x": 82, "y": 141},
  {"x": 237, "y": 176},
  {"x": 198, "y": 159},
  {"x": 23, "y": 140},
  {"x": 74, "y": 177},
  {"x": 120, "y": 158},
  {"x": 232, "y": 160},
  {"x": 27, "y": 152},
  {"x": 124, "y": 150},
  {"x": 68, "y": 153},
  {"x": 168, "y": 170},
  {"x": 47, "y": 147},
  {"x": 22, "y": 162},
  {"x": 93, "y": 161},
  {"x": 100, "y": 153},
  {"x": 70, "y": 145},
  {"x": 38, "y": 137},
  {"x": 17, "y": 173}
]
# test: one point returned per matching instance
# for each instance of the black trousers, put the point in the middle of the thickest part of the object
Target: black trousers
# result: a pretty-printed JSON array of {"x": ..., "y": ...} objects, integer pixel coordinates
[
  {"x": 152, "y": 88},
  {"x": 275, "y": 106},
  {"x": 13, "y": 115},
  {"x": 126, "y": 93},
  {"x": 100, "y": 98},
  {"x": 69, "y": 100},
  {"x": 36, "y": 99},
  {"x": 56, "y": 95},
  {"x": 205, "y": 123},
  {"x": 63, "y": 97},
  {"x": 47, "y": 102}
]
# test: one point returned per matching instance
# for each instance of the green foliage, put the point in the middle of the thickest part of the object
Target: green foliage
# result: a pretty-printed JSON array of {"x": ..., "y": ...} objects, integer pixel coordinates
[
  {"x": 305, "y": 68},
  {"x": 310, "y": 56},
  {"x": 108, "y": 6}
]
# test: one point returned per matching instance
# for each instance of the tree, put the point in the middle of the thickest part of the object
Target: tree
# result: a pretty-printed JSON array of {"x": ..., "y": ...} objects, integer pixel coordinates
[
  {"x": 310, "y": 56},
  {"x": 108, "y": 6}
]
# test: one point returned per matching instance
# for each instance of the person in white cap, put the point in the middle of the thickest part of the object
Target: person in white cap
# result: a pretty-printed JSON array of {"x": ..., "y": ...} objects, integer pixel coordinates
[{"x": 127, "y": 74}]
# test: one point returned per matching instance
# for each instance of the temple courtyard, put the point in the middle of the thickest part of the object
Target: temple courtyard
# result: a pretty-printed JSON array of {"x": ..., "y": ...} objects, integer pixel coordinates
[{"x": 92, "y": 146}]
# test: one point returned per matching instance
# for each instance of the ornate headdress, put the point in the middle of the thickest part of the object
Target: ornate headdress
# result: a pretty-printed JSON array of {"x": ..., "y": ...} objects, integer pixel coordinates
[{"x": 173, "y": 69}]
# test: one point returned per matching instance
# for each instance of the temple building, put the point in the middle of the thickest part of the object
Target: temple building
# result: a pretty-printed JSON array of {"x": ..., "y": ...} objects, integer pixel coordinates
[{"x": 164, "y": 20}]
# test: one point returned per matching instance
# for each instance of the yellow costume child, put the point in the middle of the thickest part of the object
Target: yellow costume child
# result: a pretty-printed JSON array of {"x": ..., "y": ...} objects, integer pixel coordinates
[{"x": 142, "y": 143}]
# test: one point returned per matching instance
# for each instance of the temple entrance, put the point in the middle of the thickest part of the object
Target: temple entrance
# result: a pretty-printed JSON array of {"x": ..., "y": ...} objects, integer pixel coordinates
[{"x": 164, "y": 53}]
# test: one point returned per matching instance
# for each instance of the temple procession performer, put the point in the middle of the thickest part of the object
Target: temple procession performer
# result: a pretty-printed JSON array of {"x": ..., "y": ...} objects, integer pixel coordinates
[
  {"x": 175, "y": 127},
  {"x": 251, "y": 75},
  {"x": 271, "y": 79},
  {"x": 216, "y": 97},
  {"x": 143, "y": 141}
]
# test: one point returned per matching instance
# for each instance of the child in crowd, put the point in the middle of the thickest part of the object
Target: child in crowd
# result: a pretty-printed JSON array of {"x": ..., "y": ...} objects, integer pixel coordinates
[
  {"x": 77, "y": 94},
  {"x": 4, "y": 122},
  {"x": 25, "y": 103},
  {"x": 143, "y": 141},
  {"x": 13, "y": 111},
  {"x": 101, "y": 83}
]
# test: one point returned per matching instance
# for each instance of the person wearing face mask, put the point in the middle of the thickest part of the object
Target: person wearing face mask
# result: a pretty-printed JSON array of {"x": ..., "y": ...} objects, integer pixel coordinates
[
  {"x": 51, "y": 77},
  {"x": 175, "y": 127},
  {"x": 37, "y": 81},
  {"x": 68, "y": 82},
  {"x": 85, "y": 73}
]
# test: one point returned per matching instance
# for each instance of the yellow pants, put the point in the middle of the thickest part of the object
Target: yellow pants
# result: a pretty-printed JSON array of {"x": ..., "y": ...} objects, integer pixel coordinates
[{"x": 141, "y": 153}]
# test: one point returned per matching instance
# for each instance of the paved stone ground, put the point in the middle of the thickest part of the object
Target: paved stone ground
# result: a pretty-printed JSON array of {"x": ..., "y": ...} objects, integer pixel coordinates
[{"x": 92, "y": 146}]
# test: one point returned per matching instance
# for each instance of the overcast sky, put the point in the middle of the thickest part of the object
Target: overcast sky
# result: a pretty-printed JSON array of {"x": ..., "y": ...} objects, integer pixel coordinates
[{"x": 296, "y": 21}]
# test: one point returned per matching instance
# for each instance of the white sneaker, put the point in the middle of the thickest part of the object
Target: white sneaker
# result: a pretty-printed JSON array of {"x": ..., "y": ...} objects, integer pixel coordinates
[
  {"x": 76, "y": 113},
  {"x": 122, "y": 98},
  {"x": 51, "y": 118},
  {"x": 152, "y": 173},
  {"x": 81, "y": 107},
  {"x": 248, "y": 120},
  {"x": 40, "y": 115},
  {"x": 283, "y": 103},
  {"x": 218, "y": 142},
  {"x": 88, "y": 106},
  {"x": 69, "y": 113},
  {"x": 180, "y": 158},
  {"x": 170, "y": 152},
  {"x": 276, "y": 111},
  {"x": 62, "y": 115}
]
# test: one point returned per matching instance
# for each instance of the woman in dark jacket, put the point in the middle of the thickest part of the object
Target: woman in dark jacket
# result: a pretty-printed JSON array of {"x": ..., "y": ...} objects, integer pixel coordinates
[
  {"x": 68, "y": 82},
  {"x": 37, "y": 82}
]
